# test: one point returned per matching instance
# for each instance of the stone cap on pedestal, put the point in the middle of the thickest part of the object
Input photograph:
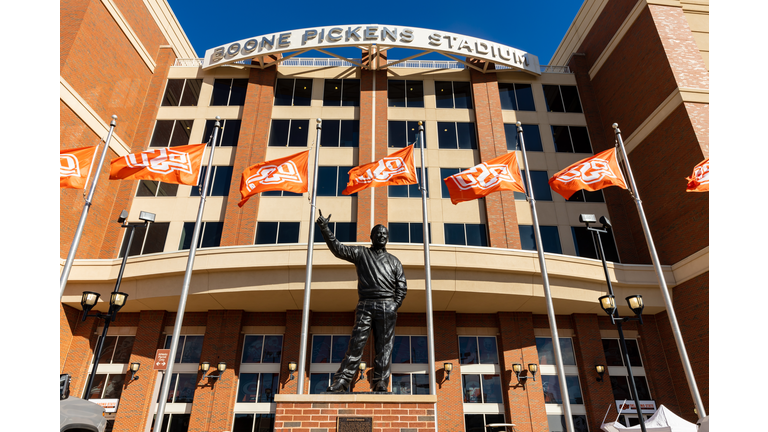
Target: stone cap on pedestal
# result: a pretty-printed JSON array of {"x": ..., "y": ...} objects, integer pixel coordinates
[{"x": 354, "y": 398}]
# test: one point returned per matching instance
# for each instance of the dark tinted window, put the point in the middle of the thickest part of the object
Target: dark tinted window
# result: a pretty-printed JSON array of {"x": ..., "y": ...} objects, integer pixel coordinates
[
  {"x": 180, "y": 92},
  {"x": 453, "y": 94},
  {"x": 291, "y": 133},
  {"x": 445, "y": 173},
  {"x": 146, "y": 241},
  {"x": 408, "y": 232},
  {"x": 151, "y": 188},
  {"x": 218, "y": 183},
  {"x": 516, "y": 97},
  {"x": 403, "y": 133},
  {"x": 550, "y": 238},
  {"x": 403, "y": 93},
  {"x": 466, "y": 234},
  {"x": 171, "y": 133},
  {"x": 541, "y": 190},
  {"x": 210, "y": 235},
  {"x": 277, "y": 232},
  {"x": 586, "y": 247},
  {"x": 562, "y": 98},
  {"x": 409, "y": 191},
  {"x": 571, "y": 139},
  {"x": 344, "y": 92},
  {"x": 227, "y": 136},
  {"x": 293, "y": 92},
  {"x": 531, "y": 136},
  {"x": 340, "y": 133}
]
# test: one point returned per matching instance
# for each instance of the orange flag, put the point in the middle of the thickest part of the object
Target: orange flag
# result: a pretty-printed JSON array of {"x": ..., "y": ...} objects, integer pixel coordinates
[
  {"x": 594, "y": 173},
  {"x": 180, "y": 165},
  {"x": 395, "y": 169},
  {"x": 75, "y": 167},
  {"x": 288, "y": 174},
  {"x": 699, "y": 180},
  {"x": 497, "y": 174}
]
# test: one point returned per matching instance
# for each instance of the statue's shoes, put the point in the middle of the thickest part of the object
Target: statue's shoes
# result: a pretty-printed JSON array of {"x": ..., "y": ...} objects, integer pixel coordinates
[
  {"x": 380, "y": 387},
  {"x": 339, "y": 386}
]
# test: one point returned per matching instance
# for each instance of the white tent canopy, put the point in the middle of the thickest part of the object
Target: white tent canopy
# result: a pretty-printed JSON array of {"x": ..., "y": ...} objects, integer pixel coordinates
[{"x": 663, "y": 420}]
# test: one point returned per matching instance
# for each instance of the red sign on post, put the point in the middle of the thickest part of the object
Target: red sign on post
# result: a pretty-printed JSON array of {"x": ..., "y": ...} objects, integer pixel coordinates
[{"x": 161, "y": 359}]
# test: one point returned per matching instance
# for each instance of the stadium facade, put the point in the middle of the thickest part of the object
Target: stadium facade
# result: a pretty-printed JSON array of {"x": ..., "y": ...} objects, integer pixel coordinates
[{"x": 643, "y": 65}]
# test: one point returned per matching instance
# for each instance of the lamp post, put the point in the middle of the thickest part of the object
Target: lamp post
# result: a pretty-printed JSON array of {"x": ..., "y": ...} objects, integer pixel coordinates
[
  {"x": 116, "y": 300},
  {"x": 608, "y": 303}
]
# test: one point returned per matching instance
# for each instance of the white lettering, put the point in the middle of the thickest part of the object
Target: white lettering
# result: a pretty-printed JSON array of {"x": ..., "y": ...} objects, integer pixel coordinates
[
  {"x": 406, "y": 35},
  {"x": 508, "y": 53},
  {"x": 331, "y": 37},
  {"x": 464, "y": 44},
  {"x": 352, "y": 33},
  {"x": 483, "y": 50},
  {"x": 283, "y": 41},
  {"x": 387, "y": 33},
  {"x": 250, "y": 46},
  {"x": 265, "y": 41},
  {"x": 435, "y": 39},
  {"x": 451, "y": 40},
  {"x": 233, "y": 49},
  {"x": 309, "y": 34},
  {"x": 370, "y": 33}
]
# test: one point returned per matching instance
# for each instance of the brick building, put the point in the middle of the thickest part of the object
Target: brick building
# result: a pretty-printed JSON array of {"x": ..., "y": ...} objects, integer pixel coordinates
[{"x": 643, "y": 65}]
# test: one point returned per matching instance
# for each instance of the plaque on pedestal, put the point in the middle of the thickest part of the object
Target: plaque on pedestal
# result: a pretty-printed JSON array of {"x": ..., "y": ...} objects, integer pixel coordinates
[{"x": 354, "y": 424}]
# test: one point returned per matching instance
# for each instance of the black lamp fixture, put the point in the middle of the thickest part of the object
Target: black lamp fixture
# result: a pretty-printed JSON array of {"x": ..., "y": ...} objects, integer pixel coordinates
[
  {"x": 135, "y": 366},
  {"x": 362, "y": 367},
  {"x": 600, "y": 369},
  {"x": 517, "y": 368},
  {"x": 292, "y": 366},
  {"x": 205, "y": 366},
  {"x": 448, "y": 367}
]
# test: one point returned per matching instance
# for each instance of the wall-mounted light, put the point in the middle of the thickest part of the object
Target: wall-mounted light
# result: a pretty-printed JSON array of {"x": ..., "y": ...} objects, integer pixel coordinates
[
  {"x": 600, "y": 369},
  {"x": 533, "y": 368},
  {"x": 448, "y": 367},
  {"x": 362, "y": 367},
  {"x": 517, "y": 368},
  {"x": 135, "y": 368},
  {"x": 221, "y": 367},
  {"x": 292, "y": 366}
]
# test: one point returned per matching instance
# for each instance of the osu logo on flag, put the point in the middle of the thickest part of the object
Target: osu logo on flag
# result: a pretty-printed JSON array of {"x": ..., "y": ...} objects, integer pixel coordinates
[
  {"x": 271, "y": 174},
  {"x": 69, "y": 166},
  {"x": 589, "y": 172},
  {"x": 161, "y": 161},
  {"x": 489, "y": 176},
  {"x": 387, "y": 168},
  {"x": 701, "y": 173}
]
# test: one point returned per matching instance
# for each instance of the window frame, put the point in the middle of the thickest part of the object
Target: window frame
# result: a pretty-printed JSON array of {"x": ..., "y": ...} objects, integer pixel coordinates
[
  {"x": 229, "y": 93},
  {"x": 406, "y": 98},
  {"x": 464, "y": 225},
  {"x": 470, "y": 104},
  {"x": 158, "y": 185},
  {"x": 341, "y": 123},
  {"x": 540, "y": 185},
  {"x": 142, "y": 238},
  {"x": 214, "y": 181},
  {"x": 514, "y": 92},
  {"x": 277, "y": 232},
  {"x": 572, "y": 148},
  {"x": 257, "y": 368},
  {"x": 411, "y": 227},
  {"x": 562, "y": 99},
  {"x": 200, "y": 239},
  {"x": 171, "y": 134},
  {"x": 340, "y": 171},
  {"x": 407, "y": 124},
  {"x": 553, "y": 409},
  {"x": 543, "y": 238},
  {"x": 224, "y": 122},
  {"x": 293, "y": 91},
  {"x": 183, "y": 91},
  {"x": 472, "y": 137},
  {"x": 356, "y": 100},
  {"x": 271, "y": 138},
  {"x": 606, "y": 244}
]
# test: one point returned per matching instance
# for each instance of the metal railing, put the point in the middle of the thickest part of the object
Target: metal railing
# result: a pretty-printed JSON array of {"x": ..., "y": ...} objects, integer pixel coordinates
[{"x": 335, "y": 62}]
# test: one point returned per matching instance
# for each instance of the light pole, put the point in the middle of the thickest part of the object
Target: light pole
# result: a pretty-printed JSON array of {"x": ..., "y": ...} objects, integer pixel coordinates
[
  {"x": 116, "y": 301},
  {"x": 608, "y": 303}
]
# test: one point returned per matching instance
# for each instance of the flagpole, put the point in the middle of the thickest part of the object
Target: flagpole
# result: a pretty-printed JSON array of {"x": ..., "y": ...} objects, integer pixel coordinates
[
  {"x": 547, "y": 293},
  {"x": 84, "y": 215},
  {"x": 185, "y": 287},
  {"x": 308, "y": 277},
  {"x": 700, "y": 411}
]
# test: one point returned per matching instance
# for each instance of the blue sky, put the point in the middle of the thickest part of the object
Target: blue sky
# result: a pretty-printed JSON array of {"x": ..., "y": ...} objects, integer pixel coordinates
[{"x": 536, "y": 27}]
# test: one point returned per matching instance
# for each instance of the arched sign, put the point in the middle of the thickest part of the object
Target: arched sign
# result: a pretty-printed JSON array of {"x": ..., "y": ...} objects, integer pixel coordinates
[{"x": 452, "y": 45}]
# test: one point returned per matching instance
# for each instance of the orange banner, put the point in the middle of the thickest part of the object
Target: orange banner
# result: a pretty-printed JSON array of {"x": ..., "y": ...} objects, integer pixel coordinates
[
  {"x": 699, "y": 180},
  {"x": 592, "y": 174},
  {"x": 288, "y": 174},
  {"x": 179, "y": 165},
  {"x": 497, "y": 174},
  {"x": 395, "y": 169},
  {"x": 75, "y": 166}
]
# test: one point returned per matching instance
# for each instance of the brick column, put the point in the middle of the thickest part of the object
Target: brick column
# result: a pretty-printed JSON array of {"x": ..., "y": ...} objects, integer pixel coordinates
[
  {"x": 500, "y": 208},
  {"x": 68, "y": 317},
  {"x": 588, "y": 347},
  {"x": 212, "y": 409},
  {"x": 373, "y": 143},
  {"x": 80, "y": 353},
  {"x": 136, "y": 398},
  {"x": 240, "y": 223},
  {"x": 291, "y": 345},
  {"x": 450, "y": 410},
  {"x": 524, "y": 406},
  {"x": 126, "y": 189}
]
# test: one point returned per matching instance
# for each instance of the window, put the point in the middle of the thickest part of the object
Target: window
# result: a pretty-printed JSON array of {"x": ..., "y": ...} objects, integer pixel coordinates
[
  {"x": 218, "y": 184},
  {"x": 277, "y": 232},
  {"x": 146, "y": 241},
  {"x": 404, "y": 133},
  {"x": 229, "y": 92},
  {"x": 586, "y": 247},
  {"x": 409, "y": 349},
  {"x": 456, "y": 135},
  {"x": 107, "y": 386},
  {"x": 407, "y": 383},
  {"x": 332, "y": 180},
  {"x": 409, "y": 191},
  {"x": 550, "y": 238},
  {"x": 293, "y": 92},
  {"x": 182, "y": 388},
  {"x": 257, "y": 387},
  {"x": 210, "y": 235},
  {"x": 479, "y": 388},
  {"x": 182, "y": 92},
  {"x": 587, "y": 196},
  {"x": 516, "y": 97},
  {"x": 478, "y": 422},
  {"x": 116, "y": 349},
  {"x": 151, "y": 188},
  {"x": 340, "y": 133},
  {"x": 329, "y": 348},
  {"x": 478, "y": 350},
  {"x": 531, "y": 136},
  {"x": 551, "y": 385},
  {"x": 280, "y": 193},
  {"x": 345, "y": 232},
  {"x": 189, "y": 348},
  {"x": 556, "y": 423},
  {"x": 341, "y": 92},
  {"x": 402, "y": 93},
  {"x": 171, "y": 133},
  {"x": 547, "y": 352},
  {"x": 228, "y": 135},
  {"x": 291, "y": 133},
  {"x": 408, "y": 232},
  {"x": 571, "y": 139},
  {"x": 465, "y": 234},
  {"x": 173, "y": 423},
  {"x": 618, "y": 372},
  {"x": 453, "y": 94},
  {"x": 562, "y": 98},
  {"x": 319, "y": 382},
  {"x": 248, "y": 422},
  {"x": 541, "y": 190},
  {"x": 262, "y": 349}
]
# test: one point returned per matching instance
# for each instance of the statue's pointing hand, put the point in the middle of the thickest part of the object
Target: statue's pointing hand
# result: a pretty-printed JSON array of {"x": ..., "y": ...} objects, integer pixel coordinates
[{"x": 323, "y": 222}]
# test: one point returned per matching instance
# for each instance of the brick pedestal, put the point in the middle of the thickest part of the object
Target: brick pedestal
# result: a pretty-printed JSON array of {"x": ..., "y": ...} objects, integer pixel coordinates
[{"x": 390, "y": 413}]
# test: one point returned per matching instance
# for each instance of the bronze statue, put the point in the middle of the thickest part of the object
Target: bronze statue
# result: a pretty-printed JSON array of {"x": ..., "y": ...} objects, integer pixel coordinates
[{"x": 381, "y": 288}]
